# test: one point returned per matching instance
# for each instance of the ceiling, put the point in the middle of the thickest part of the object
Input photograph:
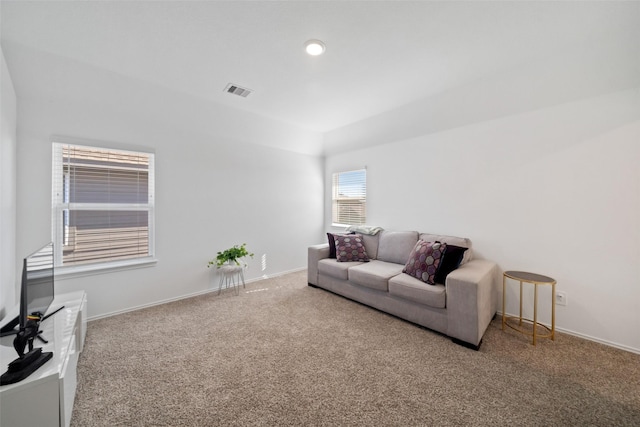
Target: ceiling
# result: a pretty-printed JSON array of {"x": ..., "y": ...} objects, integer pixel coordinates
[{"x": 380, "y": 55}]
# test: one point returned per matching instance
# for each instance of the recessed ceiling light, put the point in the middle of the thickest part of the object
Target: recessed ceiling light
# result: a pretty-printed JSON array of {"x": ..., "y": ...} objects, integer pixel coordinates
[{"x": 314, "y": 47}]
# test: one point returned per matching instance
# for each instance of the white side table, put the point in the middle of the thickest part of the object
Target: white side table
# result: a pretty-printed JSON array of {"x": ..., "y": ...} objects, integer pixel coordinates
[{"x": 231, "y": 275}]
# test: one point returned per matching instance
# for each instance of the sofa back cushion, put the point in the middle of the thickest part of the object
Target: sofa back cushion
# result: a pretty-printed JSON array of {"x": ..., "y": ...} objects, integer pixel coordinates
[
  {"x": 395, "y": 246},
  {"x": 450, "y": 240},
  {"x": 371, "y": 245}
]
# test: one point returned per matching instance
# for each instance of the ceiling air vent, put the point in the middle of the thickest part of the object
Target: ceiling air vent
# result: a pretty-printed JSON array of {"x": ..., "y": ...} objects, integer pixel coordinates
[{"x": 237, "y": 90}]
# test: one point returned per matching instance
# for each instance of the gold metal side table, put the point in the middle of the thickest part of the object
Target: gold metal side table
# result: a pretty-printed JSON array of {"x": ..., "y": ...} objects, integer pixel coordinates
[{"x": 535, "y": 279}]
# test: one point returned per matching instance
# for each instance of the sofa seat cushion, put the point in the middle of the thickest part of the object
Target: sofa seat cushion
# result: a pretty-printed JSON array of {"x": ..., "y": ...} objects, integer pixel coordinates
[
  {"x": 333, "y": 268},
  {"x": 374, "y": 274},
  {"x": 410, "y": 288}
]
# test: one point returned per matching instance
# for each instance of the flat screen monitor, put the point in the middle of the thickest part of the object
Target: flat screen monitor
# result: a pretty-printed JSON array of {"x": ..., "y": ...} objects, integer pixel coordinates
[
  {"x": 37, "y": 283},
  {"x": 36, "y": 291}
]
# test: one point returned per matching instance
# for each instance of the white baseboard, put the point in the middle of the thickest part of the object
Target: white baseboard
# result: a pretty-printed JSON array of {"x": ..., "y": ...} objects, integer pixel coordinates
[
  {"x": 282, "y": 273},
  {"x": 181, "y": 297},
  {"x": 586, "y": 337},
  {"x": 152, "y": 304},
  {"x": 271, "y": 276},
  {"x": 598, "y": 340}
]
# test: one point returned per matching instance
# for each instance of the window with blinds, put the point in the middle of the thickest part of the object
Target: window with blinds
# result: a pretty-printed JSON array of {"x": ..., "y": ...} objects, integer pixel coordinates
[
  {"x": 102, "y": 205},
  {"x": 349, "y": 200}
]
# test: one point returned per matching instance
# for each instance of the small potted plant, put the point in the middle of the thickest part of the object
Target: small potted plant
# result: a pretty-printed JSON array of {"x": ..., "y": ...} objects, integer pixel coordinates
[{"x": 231, "y": 255}]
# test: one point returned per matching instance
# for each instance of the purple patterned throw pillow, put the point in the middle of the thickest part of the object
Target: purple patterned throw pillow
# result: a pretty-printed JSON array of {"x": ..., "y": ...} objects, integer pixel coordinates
[
  {"x": 350, "y": 248},
  {"x": 332, "y": 242},
  {"x": 424, "y": 261}
]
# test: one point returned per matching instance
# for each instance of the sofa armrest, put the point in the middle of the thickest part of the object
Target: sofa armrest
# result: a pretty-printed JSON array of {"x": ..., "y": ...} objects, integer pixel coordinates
[
  {"x": 472, "y": 292},
  {"x": 315, "y": 253}
]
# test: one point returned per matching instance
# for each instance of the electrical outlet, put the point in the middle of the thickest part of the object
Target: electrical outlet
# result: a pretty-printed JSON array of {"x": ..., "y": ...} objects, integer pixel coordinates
[{"x": 561, "y": 298}]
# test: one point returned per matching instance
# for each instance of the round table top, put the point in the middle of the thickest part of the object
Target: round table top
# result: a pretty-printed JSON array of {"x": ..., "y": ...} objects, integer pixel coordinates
[{"x": 529, "y": 277}]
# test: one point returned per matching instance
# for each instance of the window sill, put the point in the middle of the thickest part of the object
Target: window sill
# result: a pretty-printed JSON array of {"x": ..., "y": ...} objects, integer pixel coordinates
[{"x": 71, "y": 272}]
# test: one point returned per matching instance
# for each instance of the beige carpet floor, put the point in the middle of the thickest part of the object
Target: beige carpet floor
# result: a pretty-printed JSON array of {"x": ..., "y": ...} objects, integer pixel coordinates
[{"x": 285, "y": 354}]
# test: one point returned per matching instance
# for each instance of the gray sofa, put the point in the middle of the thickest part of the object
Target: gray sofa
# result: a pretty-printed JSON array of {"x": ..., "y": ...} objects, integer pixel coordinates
[{"x": 460, "y": 308}]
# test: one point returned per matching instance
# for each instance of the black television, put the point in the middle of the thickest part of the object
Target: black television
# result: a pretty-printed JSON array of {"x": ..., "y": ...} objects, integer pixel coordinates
[
  {"x": 36, "y": 291},
  {"x": 36, "y": 295},
  {"x": 37, "y": 284}
]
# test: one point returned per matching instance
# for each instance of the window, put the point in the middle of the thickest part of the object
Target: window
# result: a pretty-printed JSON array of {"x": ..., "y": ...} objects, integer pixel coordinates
[
  {"x": 349, "y": 198},
  {"x": 102, "y": 206}
]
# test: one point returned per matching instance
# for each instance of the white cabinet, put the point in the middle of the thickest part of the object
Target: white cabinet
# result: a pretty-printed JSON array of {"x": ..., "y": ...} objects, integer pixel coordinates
[
  {"x": 45, "y": 398},
  {"x": 68, "y": 382}
]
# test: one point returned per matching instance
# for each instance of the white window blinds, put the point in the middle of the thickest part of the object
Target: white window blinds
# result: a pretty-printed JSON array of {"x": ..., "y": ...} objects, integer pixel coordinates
[
  {"x": 102, "y": 204},
  {"x": 349, "y": 200}
]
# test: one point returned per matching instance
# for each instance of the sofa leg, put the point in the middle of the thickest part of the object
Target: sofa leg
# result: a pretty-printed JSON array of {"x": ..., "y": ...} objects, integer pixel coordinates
[{"x": 466, "y": 344}]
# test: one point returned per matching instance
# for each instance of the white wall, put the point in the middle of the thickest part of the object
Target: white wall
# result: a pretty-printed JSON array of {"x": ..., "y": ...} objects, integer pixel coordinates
[
  {"x": 554, "y": 191},
  {"x": 212, "y": 191},
  {"x": 8, "y": 282}
]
